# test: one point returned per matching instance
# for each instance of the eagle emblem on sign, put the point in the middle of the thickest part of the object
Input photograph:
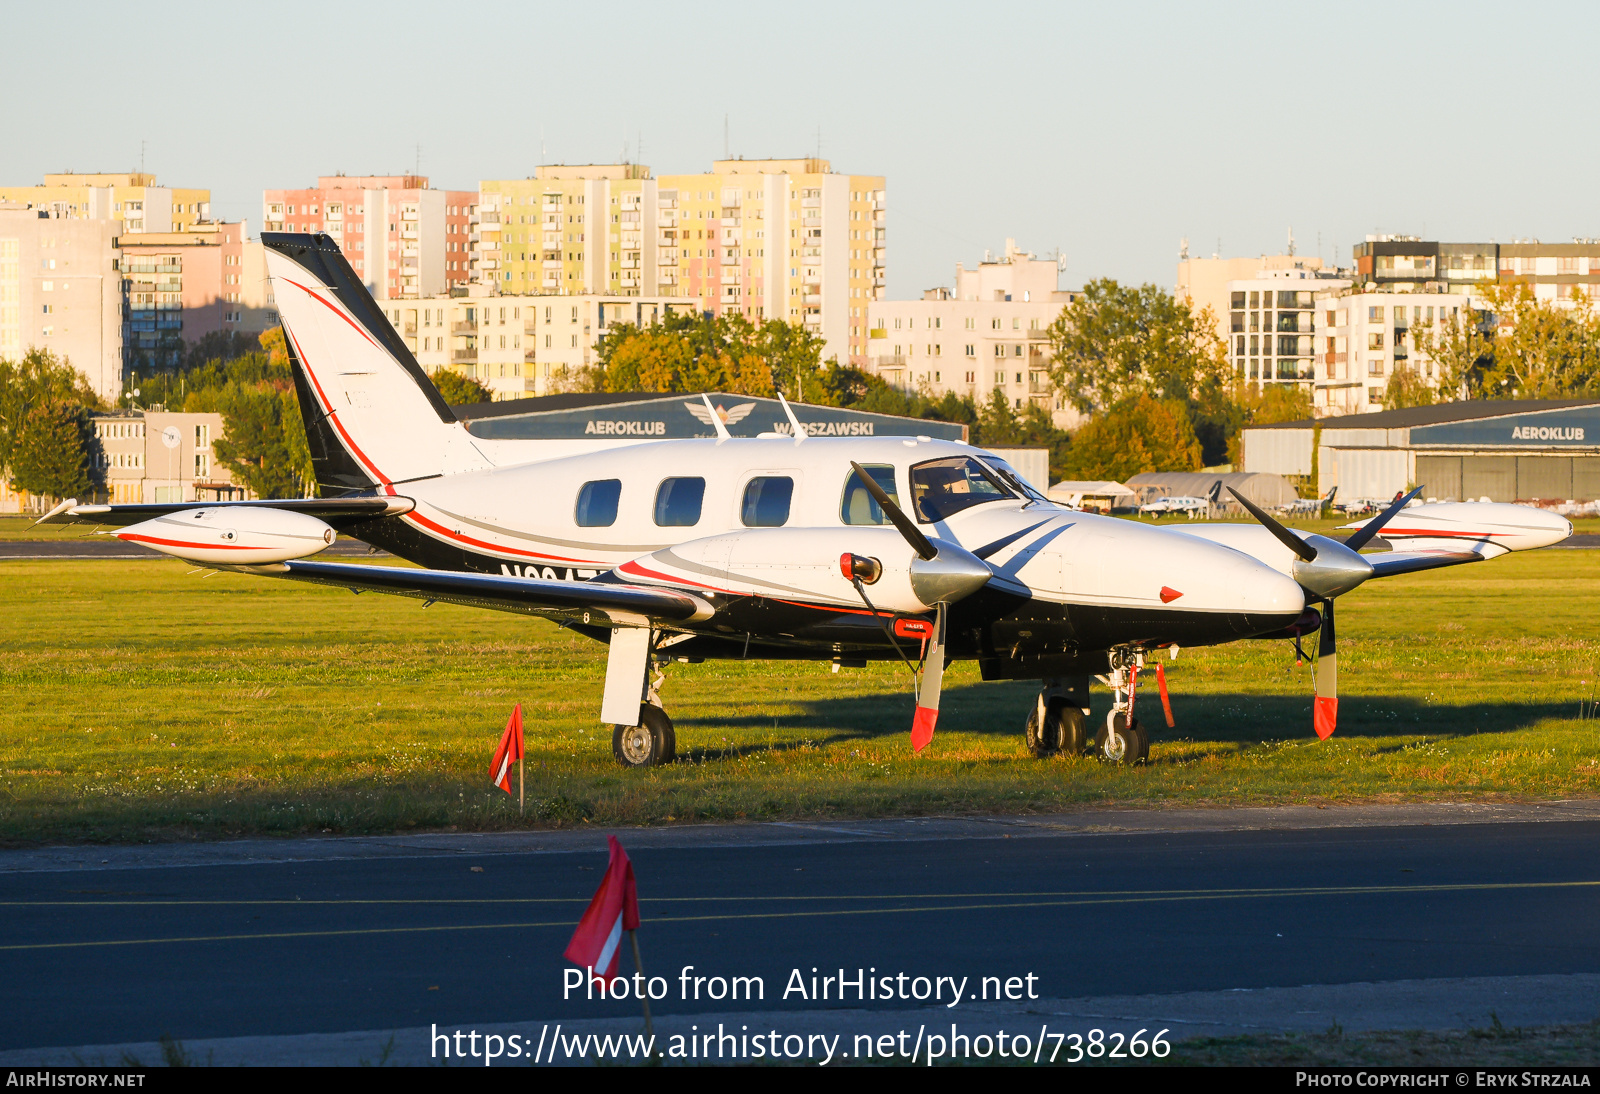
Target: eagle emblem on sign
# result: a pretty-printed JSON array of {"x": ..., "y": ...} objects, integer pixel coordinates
[{"x": 729, "y": 416}]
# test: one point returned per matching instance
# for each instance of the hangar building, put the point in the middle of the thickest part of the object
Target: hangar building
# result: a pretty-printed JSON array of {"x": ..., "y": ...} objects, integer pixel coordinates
[{"x": 1503, "y": 450}]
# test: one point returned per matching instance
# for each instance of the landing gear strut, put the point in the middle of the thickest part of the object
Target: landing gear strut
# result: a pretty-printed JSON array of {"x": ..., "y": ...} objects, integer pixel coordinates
[
  {"x": 652, "y": 741},
  {"x": 1124, "y": 740},
  {"x": 1059, "y": 720}
]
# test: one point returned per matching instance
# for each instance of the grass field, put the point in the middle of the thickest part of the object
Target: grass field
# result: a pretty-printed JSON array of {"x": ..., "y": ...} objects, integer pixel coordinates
[{"x": 143, "y": 702}]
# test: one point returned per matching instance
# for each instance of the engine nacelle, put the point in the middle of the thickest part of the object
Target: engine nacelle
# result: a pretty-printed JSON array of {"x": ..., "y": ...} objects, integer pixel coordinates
[
  {"x": 236, "y": 535},
  {"x": 1490, "y": 528}
]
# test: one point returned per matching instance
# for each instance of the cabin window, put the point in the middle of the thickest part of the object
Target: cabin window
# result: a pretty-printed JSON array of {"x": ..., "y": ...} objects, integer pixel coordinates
[
  {"x": 766, "y": 501},
  {"x": 859, "y": 507},
  {"x": 941, "y": 488},
  {"x": 678, "y": 502},
  {"x": 597, "y": 503}
]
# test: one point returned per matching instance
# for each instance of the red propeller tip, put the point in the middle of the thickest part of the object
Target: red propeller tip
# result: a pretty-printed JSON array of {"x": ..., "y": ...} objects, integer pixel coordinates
[
  {"x": 1325, "y": 715},
  {"x": 922, "y": 727}
]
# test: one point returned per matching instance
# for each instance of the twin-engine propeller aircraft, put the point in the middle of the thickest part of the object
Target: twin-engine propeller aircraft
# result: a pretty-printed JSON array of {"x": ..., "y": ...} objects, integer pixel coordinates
[{"x": 778, "y": 546}]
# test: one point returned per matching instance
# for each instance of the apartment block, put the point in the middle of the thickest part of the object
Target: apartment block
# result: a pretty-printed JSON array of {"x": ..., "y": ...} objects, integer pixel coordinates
[
  {"x": 1363, "y": 338},
  {"x": 60, "y": 290},
  {"x": 517, "y": 345},
  {"x": 990, "y": 331},
  {"x": 131, "y": 198},
  {"x": 768, "y": 239},
  {"x": 402, "y": 238},
  {"x": 1271, "y": 324},
  {"x": 1555, "y": 271},
  {"x": 212, "y": 279}
]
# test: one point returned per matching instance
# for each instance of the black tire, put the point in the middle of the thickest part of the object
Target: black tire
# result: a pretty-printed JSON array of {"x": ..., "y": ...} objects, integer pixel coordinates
[
  {"x": 1073, "y": 736},
  {"x": 647, "y": 744},
  {"x": 1126, "y": 745},
  {"x": 1041, "y": 736}
]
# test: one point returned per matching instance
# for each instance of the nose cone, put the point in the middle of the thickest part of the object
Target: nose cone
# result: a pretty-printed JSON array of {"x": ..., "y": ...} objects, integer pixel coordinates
[
  {"x": 949, "y": 575},
  {"x": 1335, "y": 571}
]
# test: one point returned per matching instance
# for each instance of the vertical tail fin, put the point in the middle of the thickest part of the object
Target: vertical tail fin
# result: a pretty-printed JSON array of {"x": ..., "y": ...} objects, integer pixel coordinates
[{"x": 372, "y": 415}]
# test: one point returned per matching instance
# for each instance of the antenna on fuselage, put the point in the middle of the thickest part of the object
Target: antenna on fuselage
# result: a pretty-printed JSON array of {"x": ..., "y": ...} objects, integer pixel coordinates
[
  {"x": 716, "y": 420},
  {"x": 800, "y": 433}
]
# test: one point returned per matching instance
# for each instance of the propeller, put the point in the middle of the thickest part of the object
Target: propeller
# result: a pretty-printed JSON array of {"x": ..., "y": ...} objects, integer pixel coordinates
[
  {"x": 1364, "y": 534},
  {"x": 941, "y": 573},
  {"x": 1325, "y": 707},
  {"x": 1326, "y": 568}
]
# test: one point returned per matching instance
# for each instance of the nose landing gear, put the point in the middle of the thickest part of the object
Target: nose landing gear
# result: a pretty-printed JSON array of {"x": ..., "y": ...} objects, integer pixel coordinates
[{"x": 1124, "y": 740}]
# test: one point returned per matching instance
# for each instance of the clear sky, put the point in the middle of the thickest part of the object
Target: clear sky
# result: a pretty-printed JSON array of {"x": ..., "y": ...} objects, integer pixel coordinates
[{"x": 1108, "y": 131}]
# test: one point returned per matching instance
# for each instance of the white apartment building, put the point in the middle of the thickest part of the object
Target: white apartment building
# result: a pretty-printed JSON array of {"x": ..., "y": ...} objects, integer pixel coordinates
[
  {"x": 1363, "y": 338},
  {"x": 1271, "y": 324},
  {"x": 517, "y": 346},
  {"x": 988, "y": 332},
  {"x": 60, "y": 290}
]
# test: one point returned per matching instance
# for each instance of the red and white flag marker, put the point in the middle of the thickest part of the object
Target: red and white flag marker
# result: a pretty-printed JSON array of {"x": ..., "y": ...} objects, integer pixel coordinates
[
  {"x": 510, "y": 749},
  {"x": 597, "y": 943}
]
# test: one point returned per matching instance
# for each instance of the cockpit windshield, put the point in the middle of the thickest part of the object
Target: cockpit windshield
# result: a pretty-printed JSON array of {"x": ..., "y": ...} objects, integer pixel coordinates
[
  {"x": 1009, "y": 476},
  {"x": 940, "y": 488}
]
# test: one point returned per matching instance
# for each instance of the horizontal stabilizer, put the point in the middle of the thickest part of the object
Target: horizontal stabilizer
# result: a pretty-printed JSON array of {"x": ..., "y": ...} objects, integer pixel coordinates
[{"x": 619, "y": 603}]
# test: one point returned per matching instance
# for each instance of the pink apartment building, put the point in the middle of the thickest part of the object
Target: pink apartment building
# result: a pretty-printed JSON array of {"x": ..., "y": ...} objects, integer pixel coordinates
[{"x": 405, "y": 240}]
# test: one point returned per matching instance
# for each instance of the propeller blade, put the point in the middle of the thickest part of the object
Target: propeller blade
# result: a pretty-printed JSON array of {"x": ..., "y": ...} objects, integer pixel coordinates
[
  {"x": 1371, "y": 528},
  {"x": 1287, "y": 538},
  {"x": 1325, "y": 716},
  {"x": 932, "y": 682},
  {"x": 919, "y": 542},
  {"x": 1166, "y": 702}
]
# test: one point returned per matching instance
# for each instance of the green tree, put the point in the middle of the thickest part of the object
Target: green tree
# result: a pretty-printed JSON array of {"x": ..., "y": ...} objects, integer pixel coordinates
[
  {"x": 459, "y": 390},
  {"x": 52, "y": 455},
  {"x": 1114, "y": 342},
  {"x": 39, "y": 378},
  {"x": 1541, "y": 350},
  {"x": 1141, "y": 433},
  {"x": 263, "y": 439},
  {"x": 1406, "y": 388},
  {"x": 1460, "y": 351},
  {"x": 694, "y": 353}
]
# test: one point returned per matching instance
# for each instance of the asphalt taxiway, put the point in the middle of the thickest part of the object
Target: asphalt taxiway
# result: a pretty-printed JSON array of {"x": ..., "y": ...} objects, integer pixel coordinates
[{"x": 1174, "y": 911}]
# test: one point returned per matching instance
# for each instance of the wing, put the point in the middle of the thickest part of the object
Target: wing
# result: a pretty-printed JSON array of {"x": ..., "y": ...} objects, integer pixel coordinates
[
  {"x": 699, "y": 411},
  {"x": 334, "y": 511},
  {"x": 1390, "y": 563},
  {"x": 739, "y": 413},
  {"x": 621, "y": 604}
]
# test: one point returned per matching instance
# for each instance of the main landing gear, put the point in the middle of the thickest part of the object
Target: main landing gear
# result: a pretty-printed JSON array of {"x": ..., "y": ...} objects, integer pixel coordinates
[
  {"x": 1059, "y": 720},
  {"x": 652, "y": 741}
]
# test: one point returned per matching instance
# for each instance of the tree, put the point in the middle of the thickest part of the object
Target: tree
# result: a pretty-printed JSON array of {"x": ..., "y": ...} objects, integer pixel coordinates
[
  {"x": 694, "y": 353},
  {"x": 1407, "y": 387},
  {"x": 52, "y": 452},
  {"x": 1460, "y": 351},
  {"x": 1115, "y": 342},
  {"x": 1540, "y": 350},
  {"x": 263, "y": 440},
  {"x": 1141, "y": 433},
  {"x": 459, "y": 390},
  {"x": 40, "y": 377}
]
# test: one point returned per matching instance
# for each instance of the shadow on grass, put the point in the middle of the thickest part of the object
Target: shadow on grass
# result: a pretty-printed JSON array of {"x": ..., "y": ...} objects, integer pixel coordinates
[{"x": 1001, "y": 710}]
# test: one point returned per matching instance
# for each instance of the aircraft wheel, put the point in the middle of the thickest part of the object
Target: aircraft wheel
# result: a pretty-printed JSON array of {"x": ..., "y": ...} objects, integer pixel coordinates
[
  {"x": 1074, "y": 735},
  {"x": 647, "y": 744},
  {"x": 1121, "y": 743},
  {"x": 1065, "y": 729},
  {"x": 1041, "y": 736}
]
